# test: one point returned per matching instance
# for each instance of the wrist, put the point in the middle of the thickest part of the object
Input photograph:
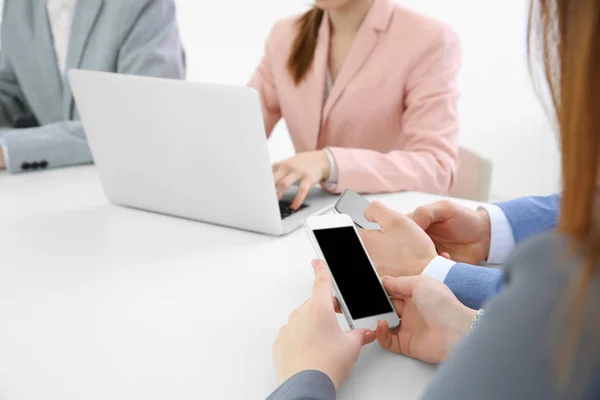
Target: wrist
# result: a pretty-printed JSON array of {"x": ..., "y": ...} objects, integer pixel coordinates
[
  {"x": 462, "y": 326},
  {"x": 486, "y": 235},
  {"x": 478, "y": 316},
  {"x": 326, "y": 165},
  {"x": 424, "y": 263}
]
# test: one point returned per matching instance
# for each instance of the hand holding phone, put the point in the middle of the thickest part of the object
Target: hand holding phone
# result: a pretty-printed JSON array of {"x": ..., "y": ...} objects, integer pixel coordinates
[{"x": 357, "y": 287}]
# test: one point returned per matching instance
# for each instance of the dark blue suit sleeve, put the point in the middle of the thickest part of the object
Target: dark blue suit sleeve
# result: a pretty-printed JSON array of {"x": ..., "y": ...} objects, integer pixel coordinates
[
  {"x": 305, "y": 385},
  {"x": 530, "y": 216}
]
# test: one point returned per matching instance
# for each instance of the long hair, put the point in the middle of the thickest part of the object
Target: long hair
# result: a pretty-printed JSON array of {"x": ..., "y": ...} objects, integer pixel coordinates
[
  {"x": 566, "y": 34},
  {"x": 305, "y": 43}
]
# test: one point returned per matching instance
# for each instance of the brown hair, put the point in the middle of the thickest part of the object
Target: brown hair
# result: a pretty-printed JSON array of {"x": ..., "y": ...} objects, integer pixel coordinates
[
  {"x": 568, "y": 35},
  {"x": 305, "y": 43}
]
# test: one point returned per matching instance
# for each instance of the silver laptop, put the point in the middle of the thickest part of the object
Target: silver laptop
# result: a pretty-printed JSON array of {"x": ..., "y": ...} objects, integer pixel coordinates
[{"x": 192, "y": 150}]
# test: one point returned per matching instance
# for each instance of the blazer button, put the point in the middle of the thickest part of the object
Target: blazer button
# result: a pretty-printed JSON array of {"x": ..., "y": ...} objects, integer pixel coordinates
[
  {"x": 25, "y": 166},
  {"x": 44, "y": 164},
  {"x": 34, "y": 165}
]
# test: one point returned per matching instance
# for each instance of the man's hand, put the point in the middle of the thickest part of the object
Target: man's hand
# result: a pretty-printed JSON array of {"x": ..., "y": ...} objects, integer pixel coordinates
[
  {"x": 459, "y": 233},
  {"x": 401, "y": 247}
]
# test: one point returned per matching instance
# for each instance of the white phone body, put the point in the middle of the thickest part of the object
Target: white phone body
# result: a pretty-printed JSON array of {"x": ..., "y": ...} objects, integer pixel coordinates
[
  {"x": 354, "y": 205},
  {"x": 328, "y": 222}
]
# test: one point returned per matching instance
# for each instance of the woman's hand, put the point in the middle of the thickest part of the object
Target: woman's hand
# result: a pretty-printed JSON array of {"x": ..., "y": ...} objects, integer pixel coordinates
[
  {"x": 432, "y": 319},
  {"x": 313, "y": 339},
  {"x": 459, "y": 233},
  {"x": 309, "y": 168}
]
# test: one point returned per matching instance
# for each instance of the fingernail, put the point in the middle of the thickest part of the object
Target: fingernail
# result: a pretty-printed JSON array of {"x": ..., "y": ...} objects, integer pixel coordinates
[
  {"x": 315, "y": 263},
  {"x": 368, "y": 335}
]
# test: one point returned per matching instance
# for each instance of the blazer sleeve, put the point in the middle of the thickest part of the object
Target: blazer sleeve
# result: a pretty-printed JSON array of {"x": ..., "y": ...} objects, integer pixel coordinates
[
  {"x": 428, "y": 160},
  {"x": 263, "y": 82},
  {"x": 152, "y": 47},
  {"x": 313, "y": 385},
  {"x": 529, "y": 216},
  {"x": 474, "y": 285}
]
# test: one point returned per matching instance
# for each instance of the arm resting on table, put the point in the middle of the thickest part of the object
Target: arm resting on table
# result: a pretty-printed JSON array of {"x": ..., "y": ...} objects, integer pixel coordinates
[{"x": 55, "y": 145}]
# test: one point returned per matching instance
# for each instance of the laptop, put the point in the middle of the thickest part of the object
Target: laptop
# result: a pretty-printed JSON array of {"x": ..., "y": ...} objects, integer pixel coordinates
[{"x": 186, "y": 149}]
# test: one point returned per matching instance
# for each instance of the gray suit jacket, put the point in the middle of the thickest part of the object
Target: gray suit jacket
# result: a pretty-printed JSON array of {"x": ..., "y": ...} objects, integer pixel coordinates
[
  {"x": 126, "y": 36},
  {"x": 515, "y": 351}
]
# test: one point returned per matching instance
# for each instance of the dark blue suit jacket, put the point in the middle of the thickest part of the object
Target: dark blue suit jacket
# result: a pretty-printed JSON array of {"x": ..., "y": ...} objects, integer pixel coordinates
[{"x": 527, "y": 217}]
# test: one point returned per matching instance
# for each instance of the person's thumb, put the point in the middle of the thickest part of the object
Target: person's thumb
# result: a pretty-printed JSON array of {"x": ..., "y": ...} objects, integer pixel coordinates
[
  {"x": 382, "y": 215},
  {"x": 400, "y": 288},
  {"x": 362, "y": 335},
  {"x": 425, "y": 216},
  {"x": 322, "y": 287}
]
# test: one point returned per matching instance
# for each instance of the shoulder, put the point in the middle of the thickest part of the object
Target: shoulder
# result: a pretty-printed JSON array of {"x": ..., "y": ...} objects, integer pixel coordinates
[
  {"x": 284, "y": 31},
  {"x": 423, "y": 30}
]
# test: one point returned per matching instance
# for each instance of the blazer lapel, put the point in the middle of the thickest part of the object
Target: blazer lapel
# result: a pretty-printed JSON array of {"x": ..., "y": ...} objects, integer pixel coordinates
[
  {"x": 377, "y": 20},
  {"x": 51, "y": 81},
  {"x": 315, "y": 85},
  {"x": 363, "y": 45},
  {"x": 84, "y": 19}
]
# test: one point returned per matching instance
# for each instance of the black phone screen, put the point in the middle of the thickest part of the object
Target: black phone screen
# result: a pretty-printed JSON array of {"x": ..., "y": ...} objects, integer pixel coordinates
[{"x": 350, "y": 267}]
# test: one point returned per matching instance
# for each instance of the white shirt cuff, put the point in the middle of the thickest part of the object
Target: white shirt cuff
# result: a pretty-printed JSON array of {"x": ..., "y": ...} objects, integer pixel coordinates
[
  {"x": 332, "y": 181},
  {"x": 438, "y": 268},
  {"x": 502, "y": 240}
]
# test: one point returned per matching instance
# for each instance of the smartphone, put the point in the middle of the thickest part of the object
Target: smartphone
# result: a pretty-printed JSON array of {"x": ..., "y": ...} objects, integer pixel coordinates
[
  {"x": 354, "y": 205},
  {"x": 357, "y": 286}
]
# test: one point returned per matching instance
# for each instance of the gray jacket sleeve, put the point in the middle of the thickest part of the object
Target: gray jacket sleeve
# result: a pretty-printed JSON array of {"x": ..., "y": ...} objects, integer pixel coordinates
[
  {"x": 306, "y": 385},
  {"x": 515, "y": 351},
  {"x": 151, "y": 48}
]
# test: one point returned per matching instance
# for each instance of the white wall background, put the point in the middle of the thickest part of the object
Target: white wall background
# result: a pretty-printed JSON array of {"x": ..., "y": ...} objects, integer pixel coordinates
[{"x": 500, "y": 113}]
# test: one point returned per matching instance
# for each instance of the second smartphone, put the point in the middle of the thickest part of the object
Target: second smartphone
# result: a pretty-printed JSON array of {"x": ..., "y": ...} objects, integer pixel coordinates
[
  {"x": 354, "y": 205},
  {"x": 357, "y": 286}
]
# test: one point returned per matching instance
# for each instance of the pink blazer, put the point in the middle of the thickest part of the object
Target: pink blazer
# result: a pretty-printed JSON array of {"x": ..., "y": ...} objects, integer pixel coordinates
[{"x": 391, "y": 119}]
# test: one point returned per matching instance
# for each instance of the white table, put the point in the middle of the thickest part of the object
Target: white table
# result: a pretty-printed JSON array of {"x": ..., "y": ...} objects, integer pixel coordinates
[{"x": 103, "y": 302}]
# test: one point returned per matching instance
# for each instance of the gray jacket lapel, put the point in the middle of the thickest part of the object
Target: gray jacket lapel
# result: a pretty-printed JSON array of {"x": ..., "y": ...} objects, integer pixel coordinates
[
  {"x": 51, "y": 84},
  {"x": 85, "y": 17}
]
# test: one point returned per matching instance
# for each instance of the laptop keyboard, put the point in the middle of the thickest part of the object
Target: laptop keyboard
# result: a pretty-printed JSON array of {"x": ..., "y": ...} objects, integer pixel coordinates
[{"x": 286, "y": 211}]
